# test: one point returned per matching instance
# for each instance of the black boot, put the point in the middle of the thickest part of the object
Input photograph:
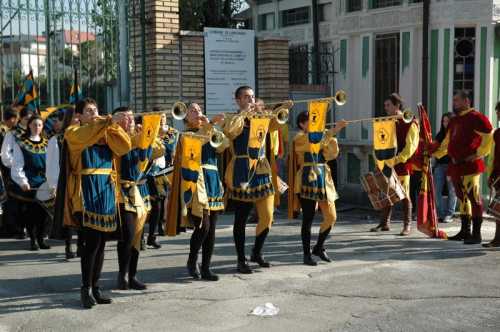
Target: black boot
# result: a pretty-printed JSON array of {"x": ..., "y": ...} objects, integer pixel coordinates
[
  {"x": 152, "y": 242},
  {"x": 42, "y": 244},
  {"x": 33, "y": 245},
  {"x": 244, "y": 268},
  {"x": 496, "y": 240},
  {"x": 208, "y": 275},
  {"x": 133, "y": 282},
  {"x": 86, "y": 297},
  {"x": 68, "y": 251},
  {"x": 308, "y": 260},
  {"x": 122, "y": 282},
  {"x": 123, "y": 264},
  {"x": 476, "y": 232},
  {"x": 319, "y": 249},
  {"x": 99, "y": 298},
  {"x": 464, "y": 229},
  {"x": 257, "y": 249},
  {"x": 192, "y": 266}
]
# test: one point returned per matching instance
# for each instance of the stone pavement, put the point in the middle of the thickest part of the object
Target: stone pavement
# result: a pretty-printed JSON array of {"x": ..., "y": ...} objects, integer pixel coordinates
[{"x": 378, "y": 282}]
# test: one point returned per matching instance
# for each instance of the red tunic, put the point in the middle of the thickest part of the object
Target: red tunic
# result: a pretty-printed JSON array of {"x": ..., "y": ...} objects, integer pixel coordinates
[
  {"x": 402, "y": 129},
  {"x": 495, "y": 172},
  {"x": 465, "y": 140}
]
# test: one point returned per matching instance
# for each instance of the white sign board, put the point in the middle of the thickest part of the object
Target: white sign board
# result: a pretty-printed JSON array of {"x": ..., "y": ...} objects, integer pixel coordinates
[{"x": 229, "y": 63}]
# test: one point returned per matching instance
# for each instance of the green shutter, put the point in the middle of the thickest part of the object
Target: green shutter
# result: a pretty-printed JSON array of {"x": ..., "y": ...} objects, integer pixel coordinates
[
  {"x": 482, "y": 70},
  {"x": 406, "y": 50},
  {"x": 365, "y": 63},
  {"x": 446, "y": 69},
  {"x": 343, "y": 57},
  {"x": 433, "y": 77}
]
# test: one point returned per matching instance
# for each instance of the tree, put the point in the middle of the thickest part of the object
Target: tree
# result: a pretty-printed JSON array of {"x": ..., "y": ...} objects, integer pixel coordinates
[{"x": 196, "y": 14}]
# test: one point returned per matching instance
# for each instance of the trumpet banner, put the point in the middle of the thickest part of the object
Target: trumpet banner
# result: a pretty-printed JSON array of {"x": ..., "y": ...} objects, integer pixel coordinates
[
  {"x": 385, "y": 142},
  {"x": 190, "y": 167},
  {"x": 150, "y": 130},
  {"x": 258, "y": 131},
  {"x": 316, "y": 124}
]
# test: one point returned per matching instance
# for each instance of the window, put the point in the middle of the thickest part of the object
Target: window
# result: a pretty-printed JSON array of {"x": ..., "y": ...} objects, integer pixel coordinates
[
  {"x": 353, "y": 5},
  {"x": 463, "y": 71},
  {"x": 266, "y": 22},
  {"x": 385, "y": 3},
  {"x": 324, "y": 12},
  {"x": 295, "y": 16},
  {"x": 299, "y": 64}
]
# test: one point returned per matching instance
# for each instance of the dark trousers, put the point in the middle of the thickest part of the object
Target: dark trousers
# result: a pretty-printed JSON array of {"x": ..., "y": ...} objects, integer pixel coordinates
[
  {"x": 35, "y": 218},
  {"x": 128, "y": 256},
  {"x": 92, "y": 256},
  {"x": 155, "y": 216},
  {"x": 241, "y": 212},
  {"x": 203, "y": 237},
  {"x": 308, "y": 211}
]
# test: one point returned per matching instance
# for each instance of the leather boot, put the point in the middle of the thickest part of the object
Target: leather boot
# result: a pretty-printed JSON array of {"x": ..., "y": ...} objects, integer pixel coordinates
[
  {"x": 406, "y": 218},
  {"x": 244, "y": 268},
  {"x": 319, "y": 249},
  {"x": 68, "y": 251},
  {"x": 152, "y": 242},
  {"x": 86, "y": 298},
  {"x": 208, "y": 275},
  {"x": 464, "y": 229},
  {"x": 99, "y": 298},
  {"x": 385, "y": 221},
  {"x": 123, "y": 264},
  {"x": 133, "y": 282},
  {"x": 257, "y": 249},
  {"x": 496, "y": 240},
  {"x": 476, "y": 231}
]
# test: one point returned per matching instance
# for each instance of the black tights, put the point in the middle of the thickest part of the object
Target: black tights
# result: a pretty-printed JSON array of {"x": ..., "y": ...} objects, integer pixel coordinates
[
  {"x": 308, "y": 212},
  {"x": 35, "y": 218},
  {"x": 92, "y": 256},
  {"x": 203, "y": 236},
  {"x": 128, "y": 256},
  {"x": 155, "y": 216},
  {"x": 242, "y": 210}
]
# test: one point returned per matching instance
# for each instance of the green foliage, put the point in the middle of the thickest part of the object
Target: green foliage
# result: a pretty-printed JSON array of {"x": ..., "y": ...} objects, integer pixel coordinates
[{"x": 196, "y": 14}]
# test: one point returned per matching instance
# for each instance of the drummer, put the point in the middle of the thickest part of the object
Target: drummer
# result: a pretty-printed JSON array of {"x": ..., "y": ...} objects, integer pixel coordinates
[{"x": 28, "y": 174}]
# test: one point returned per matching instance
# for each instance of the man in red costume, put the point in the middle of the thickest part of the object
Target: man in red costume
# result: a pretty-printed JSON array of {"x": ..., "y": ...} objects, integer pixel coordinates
[{"x": 467, "y": 142}]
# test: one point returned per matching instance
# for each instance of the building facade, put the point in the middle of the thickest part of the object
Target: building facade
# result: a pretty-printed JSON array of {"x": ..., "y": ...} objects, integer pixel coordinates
[{"x": 377, "y": 45}]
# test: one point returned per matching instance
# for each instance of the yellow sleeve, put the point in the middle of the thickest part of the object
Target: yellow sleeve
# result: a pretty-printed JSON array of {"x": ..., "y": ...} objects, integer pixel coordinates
[
  {"x": 443, "y": 148},
  {"x": 330, "y": 148},
  {"x": 158, "y": 148},
  {"x": 301, "y": 145},
  {"x": 233, "y": 127},
  {"x": 81, "y": 137},
  {"x": 486, "y": 143},
  {"x": 411, "y": 145},
  {"x": 118, "y": 140}
]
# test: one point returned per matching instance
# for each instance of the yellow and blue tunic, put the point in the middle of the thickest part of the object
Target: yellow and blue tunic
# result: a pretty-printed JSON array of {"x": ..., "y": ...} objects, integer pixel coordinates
[
  {"x": 244, "y": 183},
  {"x": 132, "y": 167},
  {"x": 157, "y": 178},
  {"x": 91, "y": 188},
  {"x": 33, "y": 167}
]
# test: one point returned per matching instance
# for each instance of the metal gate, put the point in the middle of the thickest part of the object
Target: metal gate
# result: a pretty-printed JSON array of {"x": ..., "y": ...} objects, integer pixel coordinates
[{"x": 53, "y": 38}]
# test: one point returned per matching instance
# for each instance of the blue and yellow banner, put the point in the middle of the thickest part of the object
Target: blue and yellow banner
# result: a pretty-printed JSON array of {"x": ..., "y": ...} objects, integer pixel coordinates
[
  {"x": 150, "y": 130},
  {"x": 316, "y": 124},
  {"x": 28, "y": 95},
  {"x": 257, "y": 137},
  {"x": 75, "y": 93},
  {"x": 385, "y": 142},
  {"x": 190, "y": 168}
]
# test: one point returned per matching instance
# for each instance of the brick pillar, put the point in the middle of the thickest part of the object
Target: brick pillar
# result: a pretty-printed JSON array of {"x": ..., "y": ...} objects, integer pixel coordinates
[
  {"x": 162, "y": 53},
  {"x": 272, "y": 69},
  {"x": 193, "y": 67}
]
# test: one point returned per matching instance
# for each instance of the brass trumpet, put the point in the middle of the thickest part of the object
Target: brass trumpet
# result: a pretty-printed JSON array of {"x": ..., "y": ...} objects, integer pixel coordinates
[
  {"x": 280, "y": 112},
  {"x": 407, "y": 116},
  {"x": 340, "y": 98},
  {"x": 178, "y": 111}
]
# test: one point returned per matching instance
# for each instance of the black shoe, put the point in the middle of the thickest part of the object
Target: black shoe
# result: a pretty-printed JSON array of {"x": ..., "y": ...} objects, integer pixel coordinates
[
  {"x": 321, "y": 253},
  {"x": 69, "y": 253},
  {"x": 476, "y": 232},
  {"x": 86, "y": 297},
  {"x": 79, "y": 250},
  {"x": 42, "y": 244},
  {"x": 122, "y": 283},
  {"x": 206, "y": 274},
  {"x": 308, "y": 260},
  {"x": 193, "y": 270},
  {"x": 464, "y": 230},
  {"x": 99, "y": 298},
  {"x": 259, "y": 260},
  {"x": 143, "y": 244},
  {"x": 153, "y": 243},
  {"x": 136, "y": 284},
  {"x": 244, "y": 268},
  {"x": 33, "y": 246}
]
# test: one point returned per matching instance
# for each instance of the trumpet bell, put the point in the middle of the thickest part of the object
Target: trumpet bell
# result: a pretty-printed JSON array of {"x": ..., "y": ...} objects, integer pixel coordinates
[
  {"x": 216, "y": 139},
  {"x": 282, "y": 116},
  {"x": 179, "y": 110},
  {"x": 340, "y": 97},
  {"x": 407, "y": 116}
]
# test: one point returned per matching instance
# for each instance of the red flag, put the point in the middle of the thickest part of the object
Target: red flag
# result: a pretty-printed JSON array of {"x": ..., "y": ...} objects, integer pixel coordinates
[{"x": 427, "y": 221}]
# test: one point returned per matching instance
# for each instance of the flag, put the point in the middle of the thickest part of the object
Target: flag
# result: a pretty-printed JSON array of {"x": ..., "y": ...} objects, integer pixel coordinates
[
  {"x": 316, "y": 124},
  {"x": 385, "y": 142},
  {"x": 49, "y": 115},
  {"x": 150, "y": 130},
  {"x": 190, "y": 168},
  {"x": 427, "y": 221},
  {"x": 258, "y": 131},
  {"x": 75, "y": 93},
  {"x": 28, "y": 95}
]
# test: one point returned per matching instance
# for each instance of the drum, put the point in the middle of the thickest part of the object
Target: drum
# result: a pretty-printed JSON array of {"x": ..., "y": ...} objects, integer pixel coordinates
[
  {"x": 494, "y": 205},
  {"x": 383, "y": 192}
]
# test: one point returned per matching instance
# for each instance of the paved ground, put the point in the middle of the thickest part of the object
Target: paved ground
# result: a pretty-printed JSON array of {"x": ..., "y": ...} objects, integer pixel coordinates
[{"x": 377, "y": 282}]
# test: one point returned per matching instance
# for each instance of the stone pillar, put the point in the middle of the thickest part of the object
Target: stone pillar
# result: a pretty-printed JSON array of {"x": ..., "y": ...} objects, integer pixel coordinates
[
  {"x": 162, "y": 53},
  {"x": 272, "y": 69},
  {"x": 192, "y": 67}
]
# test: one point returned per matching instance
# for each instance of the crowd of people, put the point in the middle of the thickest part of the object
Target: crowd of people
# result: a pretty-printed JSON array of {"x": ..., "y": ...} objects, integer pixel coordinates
[{"x": 103, "y": 183}]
